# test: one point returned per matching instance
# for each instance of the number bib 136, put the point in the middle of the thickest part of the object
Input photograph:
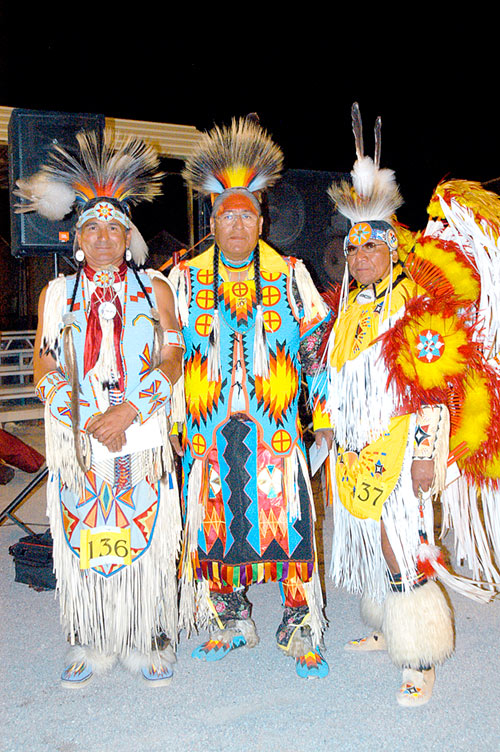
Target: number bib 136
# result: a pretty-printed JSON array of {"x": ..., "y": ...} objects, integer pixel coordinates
[{"x": 105, "y": 545}]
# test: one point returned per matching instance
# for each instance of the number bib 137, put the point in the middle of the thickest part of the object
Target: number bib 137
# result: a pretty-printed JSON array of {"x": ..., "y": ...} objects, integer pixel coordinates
[
  {"x": 369, "y": 497},
  {"x": 105, "y": 545}
]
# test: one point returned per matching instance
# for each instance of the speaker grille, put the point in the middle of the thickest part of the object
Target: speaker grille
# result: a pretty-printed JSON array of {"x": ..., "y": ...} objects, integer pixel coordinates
[{"x": 31, "y": 135}]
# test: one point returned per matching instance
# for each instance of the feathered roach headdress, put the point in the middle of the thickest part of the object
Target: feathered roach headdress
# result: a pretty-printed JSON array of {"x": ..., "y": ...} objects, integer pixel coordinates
[
  {"x": 240, "y": 157},
  {"x": 233, "y": 164},
  {"x": 109, "y": 178},
  {"x": 371, "y": 201}
]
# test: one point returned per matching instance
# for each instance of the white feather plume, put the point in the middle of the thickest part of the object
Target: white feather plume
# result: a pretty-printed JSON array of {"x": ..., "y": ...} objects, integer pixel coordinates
[
  {"x": 363, "y": 176},
  {"x": 138, "y": 247},
  {"x": 374, "y": 194},
  {"x": 47, "y": 197}
]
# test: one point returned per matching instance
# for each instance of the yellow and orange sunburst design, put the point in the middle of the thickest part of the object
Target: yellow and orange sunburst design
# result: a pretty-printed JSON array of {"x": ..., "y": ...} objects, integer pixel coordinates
[
  {"x": 202, "y": 395},
  {"x": 239, "y": 298},
  {"x": 320, "y": 416},
  {"x": 434, "y": 352},
  {"x": 278, "y": 392},
  {"x": 430, "y": 349}
]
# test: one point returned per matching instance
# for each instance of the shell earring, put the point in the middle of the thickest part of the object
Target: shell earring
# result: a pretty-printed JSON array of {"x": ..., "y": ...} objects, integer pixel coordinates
[{"x": 79, "y": 255}]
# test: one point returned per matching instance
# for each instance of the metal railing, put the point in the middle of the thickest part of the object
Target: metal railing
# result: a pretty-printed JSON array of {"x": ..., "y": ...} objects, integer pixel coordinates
[{"x": 17, "y": 391}]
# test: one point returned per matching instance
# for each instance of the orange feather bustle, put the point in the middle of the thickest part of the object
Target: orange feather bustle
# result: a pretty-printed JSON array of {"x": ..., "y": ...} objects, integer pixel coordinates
[
  {"x": 475, "y": 463},
  {"x": 402, "y": 362},
  {"x": 443, "y": 270}
]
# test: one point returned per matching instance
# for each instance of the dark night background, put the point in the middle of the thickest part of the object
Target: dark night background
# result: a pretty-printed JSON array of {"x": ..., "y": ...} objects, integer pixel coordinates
[{"x": 431, "y": 75}]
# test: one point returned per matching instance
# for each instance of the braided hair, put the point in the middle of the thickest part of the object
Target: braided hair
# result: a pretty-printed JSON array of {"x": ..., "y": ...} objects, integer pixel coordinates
[
  {"x": 261, "y": 356},
  {"x": 215, "y": 288}
]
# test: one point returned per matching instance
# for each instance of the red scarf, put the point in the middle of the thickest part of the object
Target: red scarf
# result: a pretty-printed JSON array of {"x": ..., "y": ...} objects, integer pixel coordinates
[{"x": 93, "y": 337}]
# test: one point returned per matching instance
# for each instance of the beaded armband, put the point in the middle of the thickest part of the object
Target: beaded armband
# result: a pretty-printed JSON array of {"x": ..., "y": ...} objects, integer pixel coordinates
[
  {"x": 173, "y": 338},
  {"x": 152, "y": 393}
]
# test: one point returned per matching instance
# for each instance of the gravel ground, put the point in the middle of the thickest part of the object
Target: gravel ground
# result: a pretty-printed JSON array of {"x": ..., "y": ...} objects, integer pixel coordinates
[{"x": 250, "y": 701}]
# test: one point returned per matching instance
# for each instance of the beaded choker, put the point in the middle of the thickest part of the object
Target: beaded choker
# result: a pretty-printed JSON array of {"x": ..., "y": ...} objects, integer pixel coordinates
[{"x": 233, "y": 264}]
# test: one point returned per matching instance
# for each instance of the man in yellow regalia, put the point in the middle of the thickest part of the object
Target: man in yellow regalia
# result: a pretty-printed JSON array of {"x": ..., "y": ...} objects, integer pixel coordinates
[{"x": 388, "y": 458}]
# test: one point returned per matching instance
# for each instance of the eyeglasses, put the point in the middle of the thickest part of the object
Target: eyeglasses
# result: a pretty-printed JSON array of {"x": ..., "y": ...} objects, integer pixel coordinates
[
  {"x": 369, "y": 247},
  {"x": 249, "y": 219}
]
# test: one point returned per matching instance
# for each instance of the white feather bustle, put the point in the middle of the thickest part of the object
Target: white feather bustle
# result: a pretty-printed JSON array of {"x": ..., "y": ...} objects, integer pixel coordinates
[{"x": 477, "y": 241}]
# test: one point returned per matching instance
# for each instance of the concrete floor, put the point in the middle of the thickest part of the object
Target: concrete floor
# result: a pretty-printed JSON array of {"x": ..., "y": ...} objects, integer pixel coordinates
[{"x": 252, "y": 700}]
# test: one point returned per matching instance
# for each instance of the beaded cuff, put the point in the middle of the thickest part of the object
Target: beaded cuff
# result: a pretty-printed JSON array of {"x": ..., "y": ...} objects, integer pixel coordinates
[
  {"x": 429, "y": 426},
  {"x": 152, "y": 393},
  {"x": 54, "y": 390}
]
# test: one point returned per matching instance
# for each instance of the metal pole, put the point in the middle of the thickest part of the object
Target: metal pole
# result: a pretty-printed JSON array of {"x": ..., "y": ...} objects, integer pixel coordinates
[
  {"x": 190, "y": 215},
  {"x": 20, "y": 498}
]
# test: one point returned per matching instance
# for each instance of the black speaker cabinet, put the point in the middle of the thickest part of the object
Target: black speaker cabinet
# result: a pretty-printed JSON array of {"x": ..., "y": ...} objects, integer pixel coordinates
[
  {"x": 300, "y": 220},
  {"x": 31, "y": 134}
]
